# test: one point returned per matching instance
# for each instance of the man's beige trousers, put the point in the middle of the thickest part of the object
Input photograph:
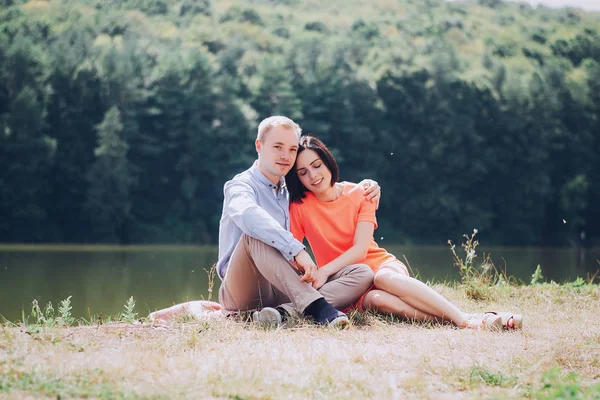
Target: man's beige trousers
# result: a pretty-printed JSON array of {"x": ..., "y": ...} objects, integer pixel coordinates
[{"x": 259, "y": 276}]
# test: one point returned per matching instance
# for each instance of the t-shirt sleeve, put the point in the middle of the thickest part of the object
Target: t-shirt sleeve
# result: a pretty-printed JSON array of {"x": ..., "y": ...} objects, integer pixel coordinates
[
  {"x": 296, "y": 222},
  {"x": 366, "y": 212}
]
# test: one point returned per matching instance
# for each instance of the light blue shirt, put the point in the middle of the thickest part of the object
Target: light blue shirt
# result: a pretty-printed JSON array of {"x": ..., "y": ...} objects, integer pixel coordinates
[{"x": 254, "y": 207}]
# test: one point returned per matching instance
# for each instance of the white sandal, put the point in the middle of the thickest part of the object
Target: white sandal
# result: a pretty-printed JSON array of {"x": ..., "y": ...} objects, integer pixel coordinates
[{"x": 486, "y": 322}]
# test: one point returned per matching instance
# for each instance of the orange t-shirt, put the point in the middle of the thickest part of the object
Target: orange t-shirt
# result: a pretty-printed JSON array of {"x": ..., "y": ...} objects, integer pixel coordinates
[{"x": 329, "y": 226}]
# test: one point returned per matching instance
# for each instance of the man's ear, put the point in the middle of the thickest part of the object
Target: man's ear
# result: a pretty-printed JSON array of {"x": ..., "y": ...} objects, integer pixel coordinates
[{"x": 258, "y": 145}]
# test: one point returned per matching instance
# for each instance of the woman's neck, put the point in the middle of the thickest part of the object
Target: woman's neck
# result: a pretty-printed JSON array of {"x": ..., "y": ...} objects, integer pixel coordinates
[{"x": 331, "y": 194}]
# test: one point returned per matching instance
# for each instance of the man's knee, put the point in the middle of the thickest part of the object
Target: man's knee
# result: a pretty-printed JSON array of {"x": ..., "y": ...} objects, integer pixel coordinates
[
  {"x": 361, "y": 275},
  {"x": 248, "y": 240},
  {"x": 364, "y": 272}
]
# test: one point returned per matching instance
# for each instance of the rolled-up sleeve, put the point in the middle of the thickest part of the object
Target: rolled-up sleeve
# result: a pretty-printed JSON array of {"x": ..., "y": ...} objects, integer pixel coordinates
[{"x": 242, "y": 207}]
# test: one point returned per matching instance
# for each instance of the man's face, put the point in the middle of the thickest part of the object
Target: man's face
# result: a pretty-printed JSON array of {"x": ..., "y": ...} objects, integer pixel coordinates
[{"x": 277, "y": 152}]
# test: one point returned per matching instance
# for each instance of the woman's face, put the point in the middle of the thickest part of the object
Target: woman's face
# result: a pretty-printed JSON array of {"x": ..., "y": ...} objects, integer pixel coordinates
[{"x": 312, "y": 171}]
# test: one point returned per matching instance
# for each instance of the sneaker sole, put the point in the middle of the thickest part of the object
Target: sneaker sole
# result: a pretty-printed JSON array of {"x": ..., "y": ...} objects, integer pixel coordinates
[
  {"x": 340, "y": 322},
  {"x": 267, "y": 317}
]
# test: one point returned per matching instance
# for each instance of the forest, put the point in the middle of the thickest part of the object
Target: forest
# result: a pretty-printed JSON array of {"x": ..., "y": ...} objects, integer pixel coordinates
[{"x": 120, "y": 120}]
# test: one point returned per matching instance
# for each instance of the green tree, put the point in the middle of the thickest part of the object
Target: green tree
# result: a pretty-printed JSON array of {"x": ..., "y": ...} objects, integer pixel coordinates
[
  {"x": 275, "y": 94},
  {"x": 108, "y": 203},
  {"x": 75, "y": 107},
  {"x": 467, "y": 118},
  {"x": 26, "y": 153},
  {"x": 593, "y": 211}
]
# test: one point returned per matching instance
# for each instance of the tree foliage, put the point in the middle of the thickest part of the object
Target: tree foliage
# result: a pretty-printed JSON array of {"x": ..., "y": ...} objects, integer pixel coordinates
[{"x": 121, "y": 120}]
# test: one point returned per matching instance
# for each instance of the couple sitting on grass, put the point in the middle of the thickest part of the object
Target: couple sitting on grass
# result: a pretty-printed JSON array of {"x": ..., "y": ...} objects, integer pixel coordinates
[{"x": 264, "y": 265}]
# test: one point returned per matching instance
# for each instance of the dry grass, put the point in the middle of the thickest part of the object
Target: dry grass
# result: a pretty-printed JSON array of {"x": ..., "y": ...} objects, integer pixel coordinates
[{"x": 376, "y": 358}]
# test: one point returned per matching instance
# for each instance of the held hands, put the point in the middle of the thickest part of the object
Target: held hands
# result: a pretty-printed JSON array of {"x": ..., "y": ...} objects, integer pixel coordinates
[
  {"x": 372, "y": 190},
  {"x": 317, "y": 277},
  {"x": 306, "y": 265},
  {"x": 321, "y": 279}
]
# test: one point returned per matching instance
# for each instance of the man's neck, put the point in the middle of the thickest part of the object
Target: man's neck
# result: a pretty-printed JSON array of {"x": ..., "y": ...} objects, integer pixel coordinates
[{"x": 273, "y": 178}]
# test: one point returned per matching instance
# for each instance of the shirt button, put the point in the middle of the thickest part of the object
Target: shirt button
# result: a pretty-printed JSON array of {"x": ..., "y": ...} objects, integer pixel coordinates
[
  {"x": 273, "y": 242},
  {"x": 290, "y": 253}
]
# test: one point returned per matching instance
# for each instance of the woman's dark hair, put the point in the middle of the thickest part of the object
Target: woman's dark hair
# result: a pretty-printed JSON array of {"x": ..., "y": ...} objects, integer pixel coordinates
[{"x": 295, "y": 187}]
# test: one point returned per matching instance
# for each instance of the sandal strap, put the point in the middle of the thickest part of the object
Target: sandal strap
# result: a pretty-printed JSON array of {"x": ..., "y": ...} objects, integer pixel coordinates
[
  {"x": 481, "y": 322},
  {"x": 506, "y": 316}
]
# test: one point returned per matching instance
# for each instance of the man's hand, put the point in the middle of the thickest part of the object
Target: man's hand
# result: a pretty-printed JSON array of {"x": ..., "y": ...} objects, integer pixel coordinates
[
  {"x": 321, "y": 279},
  {"x": 372, "y": 190},
  {"x": 306, "y": 265}
]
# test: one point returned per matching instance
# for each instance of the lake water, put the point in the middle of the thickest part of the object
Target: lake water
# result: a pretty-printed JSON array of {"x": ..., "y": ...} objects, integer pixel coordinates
[{"x": 100, "y": 279}]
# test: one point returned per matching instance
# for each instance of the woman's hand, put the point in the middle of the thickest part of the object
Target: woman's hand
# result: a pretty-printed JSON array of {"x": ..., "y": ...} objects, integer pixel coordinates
[
  {"x": 372, "y": 190},
  {"x": 321, "y": 279},
  {"x": 305, "y": 264}
]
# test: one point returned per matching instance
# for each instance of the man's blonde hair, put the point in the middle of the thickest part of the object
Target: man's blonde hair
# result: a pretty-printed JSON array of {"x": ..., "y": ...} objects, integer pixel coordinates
[{"x": 277, "y": 120}]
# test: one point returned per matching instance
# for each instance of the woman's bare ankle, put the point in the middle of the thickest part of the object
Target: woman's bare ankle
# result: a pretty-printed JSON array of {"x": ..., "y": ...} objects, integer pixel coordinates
[{"x": 464, "y": 320}]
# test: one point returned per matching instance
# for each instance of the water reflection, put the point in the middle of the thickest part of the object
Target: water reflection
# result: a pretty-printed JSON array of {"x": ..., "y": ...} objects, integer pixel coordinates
[{"x": 102, "y": 280}]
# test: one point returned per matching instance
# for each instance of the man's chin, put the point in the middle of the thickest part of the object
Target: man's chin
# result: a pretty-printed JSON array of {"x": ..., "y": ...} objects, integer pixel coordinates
[{"x": 280, "y": 173}]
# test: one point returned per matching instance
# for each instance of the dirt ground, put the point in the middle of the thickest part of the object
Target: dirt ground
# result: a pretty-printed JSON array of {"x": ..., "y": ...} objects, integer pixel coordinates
[{"x": 558, "y": 350}]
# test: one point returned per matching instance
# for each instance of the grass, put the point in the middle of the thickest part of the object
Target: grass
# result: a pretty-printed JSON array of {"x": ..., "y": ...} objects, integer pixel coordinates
[
  {"x": 19, "y": 383},
  {"x": 555, "y": 356}
]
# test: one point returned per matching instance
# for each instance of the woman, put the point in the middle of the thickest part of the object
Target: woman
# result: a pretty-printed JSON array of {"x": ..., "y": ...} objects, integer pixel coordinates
[{"x": 339, "y": 225}]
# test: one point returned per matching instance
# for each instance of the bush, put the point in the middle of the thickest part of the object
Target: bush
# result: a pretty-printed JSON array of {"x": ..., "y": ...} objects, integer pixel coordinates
[
  {"x": 193, "y": 7},
  {"x": 316, "y": 26}
]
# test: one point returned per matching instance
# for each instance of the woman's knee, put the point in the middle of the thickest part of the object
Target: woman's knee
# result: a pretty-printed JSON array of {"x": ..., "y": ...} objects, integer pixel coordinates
[
  {"x": 374, "y": 300},
  {"x": 386, "y": 277}
]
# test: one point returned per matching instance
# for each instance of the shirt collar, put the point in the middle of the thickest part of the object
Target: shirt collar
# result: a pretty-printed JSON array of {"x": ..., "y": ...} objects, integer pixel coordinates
[{"x": 255, "y": 171}]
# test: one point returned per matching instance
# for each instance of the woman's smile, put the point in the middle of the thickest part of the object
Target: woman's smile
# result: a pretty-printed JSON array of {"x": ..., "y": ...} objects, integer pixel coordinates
[{"x": 318, "y": 183}]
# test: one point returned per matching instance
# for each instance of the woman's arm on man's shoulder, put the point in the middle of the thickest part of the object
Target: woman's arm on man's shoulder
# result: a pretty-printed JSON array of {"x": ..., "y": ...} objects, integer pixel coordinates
[{"x": 372, "y": 190}]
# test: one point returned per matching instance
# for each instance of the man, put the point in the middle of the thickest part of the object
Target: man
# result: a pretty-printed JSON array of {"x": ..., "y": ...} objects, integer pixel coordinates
[{"x": 257, "y": 253}]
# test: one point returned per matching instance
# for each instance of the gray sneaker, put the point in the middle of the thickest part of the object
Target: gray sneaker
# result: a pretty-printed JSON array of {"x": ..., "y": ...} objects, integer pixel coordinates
[{"x": 267, "y": 317}]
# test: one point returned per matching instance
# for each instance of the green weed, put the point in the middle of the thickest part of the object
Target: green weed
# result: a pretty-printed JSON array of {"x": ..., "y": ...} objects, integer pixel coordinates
[
  {"x": 477, "y": 280},
  {"x": 129, "y": 315},
  {"x": 43, "y": 319},
  {"x": 558, "y": 386},
  {"x": 64, "y": 312},
  {"x": 37, "y": 313},
  {"x": 578, "y": 284},
  {"x": 537, "y": 277},
  {"x": 490, "y": 378},
  {"x": 212, "y": 273}
]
